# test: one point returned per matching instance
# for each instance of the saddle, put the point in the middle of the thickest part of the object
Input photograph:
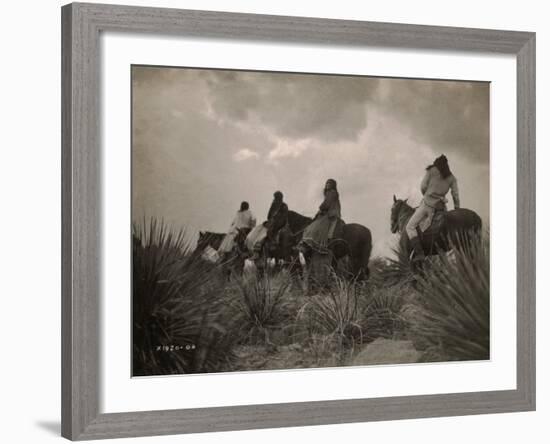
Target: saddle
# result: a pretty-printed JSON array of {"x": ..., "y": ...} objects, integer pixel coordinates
[
  {"x": 338, "y": 232},
  {"x": 433, "y": 226},
  {"x": 275, "y": 241}
]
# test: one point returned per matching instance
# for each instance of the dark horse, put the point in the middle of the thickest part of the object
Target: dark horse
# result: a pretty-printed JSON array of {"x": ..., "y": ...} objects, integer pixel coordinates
[
  {"x": 232, "y": 261},
  {"x": 453, "y": 228},
  {"x": 355, "y": 243},
  {"x": 209, "y": 239}
]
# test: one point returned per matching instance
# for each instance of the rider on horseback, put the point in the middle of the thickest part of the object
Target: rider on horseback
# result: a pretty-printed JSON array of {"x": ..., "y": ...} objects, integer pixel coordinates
[
  {"x": 436, "y": 183},
  {"x": 243, "y": 222},
  {"x": 277, "y": 216},
  {"x": 319, "y": 233}
]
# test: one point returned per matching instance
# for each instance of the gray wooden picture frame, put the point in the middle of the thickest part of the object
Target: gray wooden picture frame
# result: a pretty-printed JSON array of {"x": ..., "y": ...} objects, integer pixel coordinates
[{"x": 81, "y": 174}]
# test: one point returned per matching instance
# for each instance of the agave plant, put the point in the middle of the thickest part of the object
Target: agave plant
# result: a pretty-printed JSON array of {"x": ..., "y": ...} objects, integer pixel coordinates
[
  {"x": 178, "y": 322},
  {"x": 455, "y": 293}
]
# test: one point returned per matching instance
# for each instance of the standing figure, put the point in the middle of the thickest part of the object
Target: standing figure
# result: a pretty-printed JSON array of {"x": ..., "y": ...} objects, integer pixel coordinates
[
  {"x": 244, "y": 221},
  {"x": 321, "y": 231},
  {"x": 436, "y": 183}
]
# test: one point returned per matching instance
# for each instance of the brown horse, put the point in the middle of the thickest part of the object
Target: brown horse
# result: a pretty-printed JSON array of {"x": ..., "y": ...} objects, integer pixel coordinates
[
  {"x": 282, "y": 247},
  {"x": 455, "y": 227},
  {"x": 355, "y": 243}
]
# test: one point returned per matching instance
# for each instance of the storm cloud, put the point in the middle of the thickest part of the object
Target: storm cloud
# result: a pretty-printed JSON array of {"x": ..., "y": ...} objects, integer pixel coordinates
[
  {"x": 204, "y": 140},
  {"x": 293, "y": 106}
]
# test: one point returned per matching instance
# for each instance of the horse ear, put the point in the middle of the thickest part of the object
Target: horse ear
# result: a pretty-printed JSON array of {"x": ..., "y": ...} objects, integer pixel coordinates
[
  {"x": 394, "y": 199},
  {"x": 405, "y": 201},
  {"x": 201, "y": 233}
]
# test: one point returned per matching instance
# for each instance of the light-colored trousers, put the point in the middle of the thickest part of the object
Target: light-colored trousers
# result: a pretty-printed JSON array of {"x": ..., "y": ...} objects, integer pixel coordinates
[
  {"x": 255, "y": 238},
  {"x": 422, "y": 212},
  {"x": 228, "y": 243}
]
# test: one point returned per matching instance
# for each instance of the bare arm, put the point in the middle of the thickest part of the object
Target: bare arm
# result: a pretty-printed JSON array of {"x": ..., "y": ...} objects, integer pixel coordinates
[{"x": 454, "y": 193}]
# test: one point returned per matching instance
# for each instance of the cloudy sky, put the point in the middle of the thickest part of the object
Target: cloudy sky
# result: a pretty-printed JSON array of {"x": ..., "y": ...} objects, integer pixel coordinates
[{"x": 205, "y": 140}]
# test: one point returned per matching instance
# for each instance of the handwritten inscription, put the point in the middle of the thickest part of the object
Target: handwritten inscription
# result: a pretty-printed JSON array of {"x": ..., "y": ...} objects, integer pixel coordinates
[{"x": 170, "y": 348}]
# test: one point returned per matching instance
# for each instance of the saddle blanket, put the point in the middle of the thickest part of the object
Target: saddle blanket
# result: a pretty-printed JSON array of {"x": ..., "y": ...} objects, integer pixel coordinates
[
  {"x": 210, "y": 255},
  {"x": 322, "y": 232},
  {"x": 255, "y": 237}
]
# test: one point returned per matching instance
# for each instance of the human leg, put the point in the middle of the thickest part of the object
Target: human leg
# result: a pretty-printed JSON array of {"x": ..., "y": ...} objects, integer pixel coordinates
[{"x": 416, "y": 219}]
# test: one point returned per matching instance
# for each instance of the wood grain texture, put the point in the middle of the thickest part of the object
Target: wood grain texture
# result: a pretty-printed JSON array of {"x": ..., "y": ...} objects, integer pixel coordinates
[
  {"x": 80, "y": 220},
  {"x": 526, "y": 220},
  {"x": 300, "y": 29},
  {"x": 81, "y": 231},
  {"x": 66, "y": 226}
]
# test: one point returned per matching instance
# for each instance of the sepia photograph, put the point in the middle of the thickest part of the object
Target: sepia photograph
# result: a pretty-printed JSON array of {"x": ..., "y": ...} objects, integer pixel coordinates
[{"x": 284, "y": 221}]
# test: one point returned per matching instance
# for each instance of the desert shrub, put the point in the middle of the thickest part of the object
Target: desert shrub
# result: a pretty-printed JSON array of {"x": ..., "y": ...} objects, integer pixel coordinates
[
  {"x": 386, "y": 272},
  {"x": 262, "y": 305},
  {"x": 382, "y": 311},
  {"x": 336, "y": 311},
  {"x": 455, "y": 296},
  {"x": 178, "y": 317},
  {"x": 326, "y": 351}
]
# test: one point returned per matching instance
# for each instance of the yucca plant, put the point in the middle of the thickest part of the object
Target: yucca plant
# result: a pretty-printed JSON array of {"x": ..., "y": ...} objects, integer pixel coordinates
[
  {"x": 262, "y": 305},
  {"x": 382, "y": 311},
  {"x": 387, "y": 272},
  {"x": 336, "y": 311},
  {"x": 455, "y": 294},
  {"x": 178, "y": 319}
]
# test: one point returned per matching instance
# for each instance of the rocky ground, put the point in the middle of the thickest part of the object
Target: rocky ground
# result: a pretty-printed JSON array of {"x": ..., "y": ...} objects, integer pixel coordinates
[{"x": 293, "y": 356}]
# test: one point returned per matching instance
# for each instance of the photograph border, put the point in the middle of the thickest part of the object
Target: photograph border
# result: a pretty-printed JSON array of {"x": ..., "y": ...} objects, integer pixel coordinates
[{"x": 82, "y": 24}]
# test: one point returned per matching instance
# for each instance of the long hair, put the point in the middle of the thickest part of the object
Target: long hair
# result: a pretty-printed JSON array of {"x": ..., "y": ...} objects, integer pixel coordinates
[
  {"x": 244, "y": 206},
  {"x": 330, "y": 185},
  {"x": 442, "y": 164}
]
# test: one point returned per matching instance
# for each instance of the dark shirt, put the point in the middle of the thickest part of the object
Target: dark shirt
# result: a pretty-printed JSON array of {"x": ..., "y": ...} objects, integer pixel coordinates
[
  {"x": 277, "y": 216},
  {"x": 331, "y": 204}
]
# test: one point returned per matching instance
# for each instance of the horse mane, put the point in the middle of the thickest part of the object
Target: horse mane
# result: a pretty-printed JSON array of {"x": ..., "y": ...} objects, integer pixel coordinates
[
  {"x": 404, "y": 213},
  {"x": 404, "y": 204},
  {"x": 209, "y": 238},
  {"x": 297, "y": 221}
]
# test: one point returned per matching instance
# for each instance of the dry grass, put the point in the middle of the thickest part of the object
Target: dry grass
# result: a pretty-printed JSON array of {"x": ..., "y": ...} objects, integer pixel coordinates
[
  {"x": 336, "y": 311},
  {"x": 268, "y": 321},
  {"x": 263, "y": 305}
]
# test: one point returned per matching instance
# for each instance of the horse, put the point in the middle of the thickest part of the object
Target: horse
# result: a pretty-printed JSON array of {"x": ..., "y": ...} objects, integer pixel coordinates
[
  {"x": 355, "y": 244},
  {"x": 231, "y": 261},
  {"x": 282, "y": 249},
  {"x": 209, "y": 239},
  {"x": 457, "y": 226}
]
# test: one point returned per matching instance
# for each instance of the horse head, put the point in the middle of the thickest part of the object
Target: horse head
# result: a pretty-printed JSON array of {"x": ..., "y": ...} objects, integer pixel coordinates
[
  {"x": 395, "y": 211},
  {"x": 208, "y": 238}
]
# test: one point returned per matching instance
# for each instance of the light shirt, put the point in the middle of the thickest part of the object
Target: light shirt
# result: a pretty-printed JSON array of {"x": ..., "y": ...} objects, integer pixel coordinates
[
  {"x": 243, "y": 219},
  {"x": 434, "y": 188}
]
